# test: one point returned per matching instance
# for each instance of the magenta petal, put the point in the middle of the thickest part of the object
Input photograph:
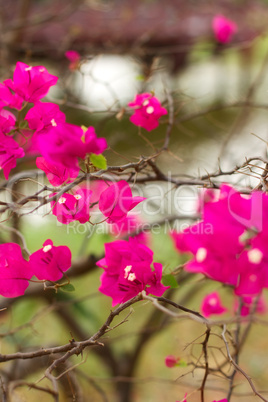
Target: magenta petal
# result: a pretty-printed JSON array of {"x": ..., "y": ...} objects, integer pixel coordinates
[
  {"x": 50, "y": 262},
  {"x": 15, "y": 271},
  {"x": 136, "y": 201}
]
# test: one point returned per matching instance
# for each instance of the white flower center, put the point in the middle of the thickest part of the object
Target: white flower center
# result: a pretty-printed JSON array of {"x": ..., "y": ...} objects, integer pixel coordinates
[
  {"x": 131, "y": 277},
  {"x": 149, "y": 110},
  {"x": 53, "y": 123},
  {"x": 255, "y": 256},
  {"x": 62, "y": 200},
  {"x": 77, "y": 197},
  {"x": 28, "y": 68},
  {"x": 201, "y": 254},
  {"x": 41, "y": 70},
  {"x": 127, "y": 270},
  {"x": 47, "y": 248},
  {"x": 146, "y": 102}
]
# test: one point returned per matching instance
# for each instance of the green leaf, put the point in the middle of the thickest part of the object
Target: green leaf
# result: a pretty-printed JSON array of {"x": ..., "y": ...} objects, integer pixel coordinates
[
  {"x": 68, "y": 287},
  {"x": 169, "y": 280},
  {"x": 99, "y": 161}
]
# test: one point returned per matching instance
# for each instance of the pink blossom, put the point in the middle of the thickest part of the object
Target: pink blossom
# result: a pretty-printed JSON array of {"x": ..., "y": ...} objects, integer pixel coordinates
[
  {"x": 148, "y": 111},
  {"x": 15, "y": 271},
  {"x": 56, "y": 173},
  {"x": 7, "y": 121},
  {"x": 117, "y": 200},
  {"x": 74, "y": 58},
  {"x": 211, "y": 304},
  {"x": 92, "y": 143},
  {"x": 65, "y": 143},
  {"x": 223, "y": 28},
  {"x": 217, "y": 241},
  {"x": 10, "y": 151},
  {"x": 119, "y": 251},
  {"x": 31, "y": 83},
  {"x": 247, "y": 304},
  {"x": 73, "y": 207},
  {"x": 127, "y": 271},
  {"x": 171, "y": 361},
  {"x": 62, "y": 144},
  {"x": 50, "y": 262},
  {"x": 8, "y": 99},
  {"x": 43, "y": 115}
]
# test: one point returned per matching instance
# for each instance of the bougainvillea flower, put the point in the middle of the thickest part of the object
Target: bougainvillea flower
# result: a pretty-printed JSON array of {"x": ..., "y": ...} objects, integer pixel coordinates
[
  {"x": 62, "y": 144},
  {"x": 118, "y": 252},
  {"x": 148, "y": 111},
  {"x": 171, "y": 361},
  {"x": 131, "y": 225},
  {"x": 214, "y": 253},
  {"x": 50, "y": 262},
  {"x": 73, "y": 207},
  {"x": 56, "y": 173},
  {"x": 10, "y": 151},
  {"x": 93, "y": 144},
  {"x": 223, "y": 28},
  {"x": 31, "y": 83},
  {"x": 74, "y": 57},
  {"x": 43, "y": 115},
  {"x": 248, "y": 303},
  {"x": 8, "y": 99},
  {"x": 7, "y": 121},
  {"x": 117, "y": 200},
  {"x": 211, "y": 304},
  {"x": 127, "y": 271},
  {"x": 129, "y": 282},
  {"x": 229, "y": 243},
  {"x": 15, "y": 271},
  {"x": 253, "y": 266}
]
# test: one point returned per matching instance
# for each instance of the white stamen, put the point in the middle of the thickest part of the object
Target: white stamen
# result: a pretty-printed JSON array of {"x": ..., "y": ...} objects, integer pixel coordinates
[
  {"x": 146, "y": 102},
  {"x": 127, "y": 270},
  {"x": 47, "y": 248},
  {"x": 62, "y": 200},
  {"x": 53, "y": 123},
  {"x": 28, "y": 68},
  {"x": 41, "y": 70},
  {"x": 149, "y": 110},
  {"x": 131, "y": 277},
  {"x": 201, "y": 254},
  {"x": 77, "y": 196},
  {"x": 255, "y": 256}
]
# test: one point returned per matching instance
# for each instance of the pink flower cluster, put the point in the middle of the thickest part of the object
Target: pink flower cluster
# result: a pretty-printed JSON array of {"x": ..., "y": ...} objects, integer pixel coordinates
[
  {"x": 48, "y": 263},
  {"x": 229, "y": 244},
  {"x": 61, "y": 145},
  {"x": 147, "y": 111},
  {"x": 128, "y": 271}
]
